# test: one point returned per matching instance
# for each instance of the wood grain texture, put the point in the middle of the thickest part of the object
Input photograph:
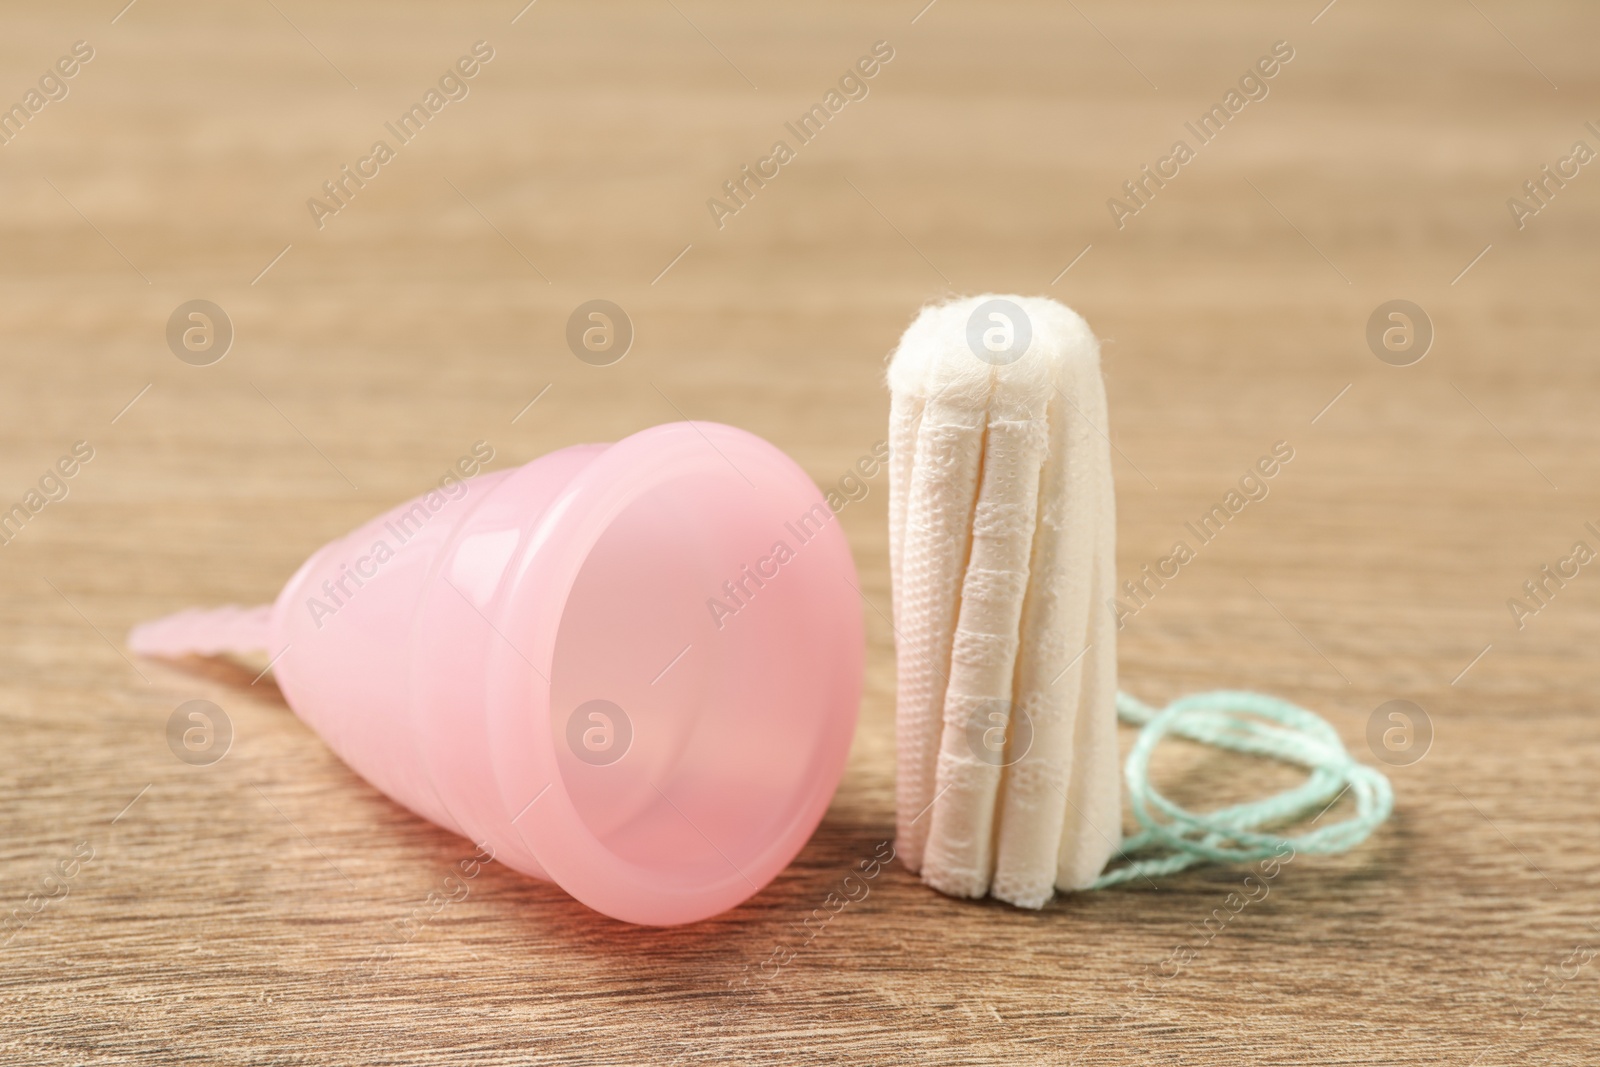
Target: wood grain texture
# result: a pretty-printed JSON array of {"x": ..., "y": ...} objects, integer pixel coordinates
[{"x": 227, "y": 913}]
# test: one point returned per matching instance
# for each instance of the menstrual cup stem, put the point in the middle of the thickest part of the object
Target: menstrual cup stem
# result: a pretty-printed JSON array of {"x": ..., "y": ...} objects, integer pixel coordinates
[{"x": 204, "y": 632}]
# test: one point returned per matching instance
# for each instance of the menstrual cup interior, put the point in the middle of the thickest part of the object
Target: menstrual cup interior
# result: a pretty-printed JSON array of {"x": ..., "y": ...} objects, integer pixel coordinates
[
  {"x": 703, "y": 683},
  {"x": 683, "y": 709}
]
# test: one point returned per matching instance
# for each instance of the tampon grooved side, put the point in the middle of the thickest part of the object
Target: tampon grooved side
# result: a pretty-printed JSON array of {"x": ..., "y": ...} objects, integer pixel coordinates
[{"x": 1002, "y": 537}]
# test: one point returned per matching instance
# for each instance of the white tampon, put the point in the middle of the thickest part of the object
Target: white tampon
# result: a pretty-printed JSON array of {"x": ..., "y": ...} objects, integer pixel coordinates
[{"x": 1002, "y": 537}]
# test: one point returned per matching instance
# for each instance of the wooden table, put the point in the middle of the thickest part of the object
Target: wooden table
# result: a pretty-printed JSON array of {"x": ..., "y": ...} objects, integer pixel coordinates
[{"x": 226, "y": 911}]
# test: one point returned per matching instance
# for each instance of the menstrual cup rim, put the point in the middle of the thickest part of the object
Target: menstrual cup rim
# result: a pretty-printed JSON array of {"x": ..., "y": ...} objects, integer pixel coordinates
[{"x": 530, "y": 607}]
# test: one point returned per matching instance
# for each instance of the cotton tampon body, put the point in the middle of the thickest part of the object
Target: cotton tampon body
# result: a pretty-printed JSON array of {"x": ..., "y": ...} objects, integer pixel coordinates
[{"x": 1002, "y": 534}]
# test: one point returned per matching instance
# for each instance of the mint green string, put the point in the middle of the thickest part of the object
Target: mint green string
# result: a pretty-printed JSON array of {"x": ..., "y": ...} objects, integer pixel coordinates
[{"x": 1262, "y": 726}]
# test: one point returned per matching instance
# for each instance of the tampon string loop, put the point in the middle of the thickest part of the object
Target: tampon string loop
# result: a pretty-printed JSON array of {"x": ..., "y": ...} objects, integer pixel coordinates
[{"x": 1260, "y": 725}]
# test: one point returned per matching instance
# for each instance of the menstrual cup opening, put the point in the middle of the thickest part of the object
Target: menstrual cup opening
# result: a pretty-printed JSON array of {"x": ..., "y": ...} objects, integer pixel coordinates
[{"x": 703, "y": 675}]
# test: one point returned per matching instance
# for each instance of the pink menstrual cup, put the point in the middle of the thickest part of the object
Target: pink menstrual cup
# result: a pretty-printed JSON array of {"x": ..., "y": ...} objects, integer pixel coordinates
[{"x": 629, "y": 669}]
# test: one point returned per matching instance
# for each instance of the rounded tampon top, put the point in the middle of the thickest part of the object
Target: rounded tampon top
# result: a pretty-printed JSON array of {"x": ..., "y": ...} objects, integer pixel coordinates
[{"x": 940, "y": 352}]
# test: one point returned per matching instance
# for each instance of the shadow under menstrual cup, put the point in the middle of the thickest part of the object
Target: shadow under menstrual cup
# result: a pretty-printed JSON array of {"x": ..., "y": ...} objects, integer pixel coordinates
[{"x": 632, "y": 669}]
